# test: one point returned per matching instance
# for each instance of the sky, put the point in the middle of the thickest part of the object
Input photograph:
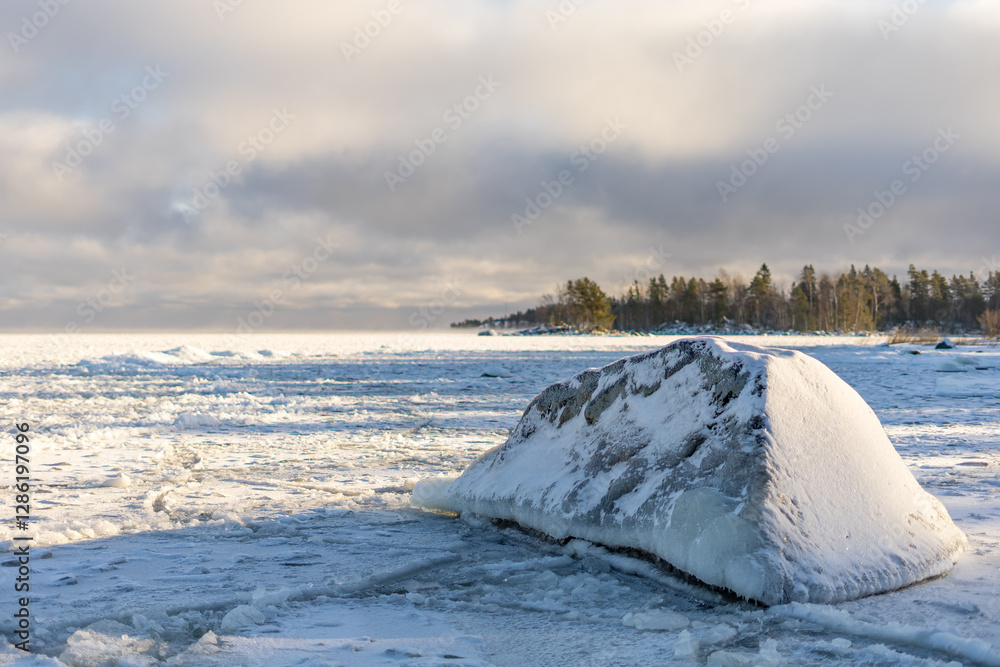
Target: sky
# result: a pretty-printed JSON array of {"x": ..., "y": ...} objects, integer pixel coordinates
[{"x": 242, "y": 165}]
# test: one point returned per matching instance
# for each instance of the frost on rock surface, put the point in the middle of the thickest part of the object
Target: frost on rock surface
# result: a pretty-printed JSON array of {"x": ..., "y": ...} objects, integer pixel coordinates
[{"x": 757, "y": 470}]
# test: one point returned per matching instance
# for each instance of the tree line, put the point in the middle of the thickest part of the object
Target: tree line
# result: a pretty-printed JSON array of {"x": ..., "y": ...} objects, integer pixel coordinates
[{"x": 847, "y": 301}]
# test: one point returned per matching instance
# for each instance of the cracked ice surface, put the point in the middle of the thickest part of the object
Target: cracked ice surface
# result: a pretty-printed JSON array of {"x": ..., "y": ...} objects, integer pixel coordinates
[{"x": 181, "y": 480}]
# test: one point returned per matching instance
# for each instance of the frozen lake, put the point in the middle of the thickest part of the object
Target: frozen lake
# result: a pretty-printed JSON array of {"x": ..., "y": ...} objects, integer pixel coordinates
[{"x": 215, "y": 500}]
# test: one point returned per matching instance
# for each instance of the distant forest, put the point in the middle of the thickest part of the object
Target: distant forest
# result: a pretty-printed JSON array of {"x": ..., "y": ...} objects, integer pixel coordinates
[{"x": 849, "y": 301}]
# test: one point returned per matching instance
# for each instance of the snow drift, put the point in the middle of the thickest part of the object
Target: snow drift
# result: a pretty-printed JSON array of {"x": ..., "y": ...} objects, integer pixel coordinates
[{"x": 753, "y": 469}]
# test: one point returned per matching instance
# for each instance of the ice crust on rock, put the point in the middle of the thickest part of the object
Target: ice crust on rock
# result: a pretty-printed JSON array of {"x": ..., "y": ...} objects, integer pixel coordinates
[{"x": 756, "y": 470}]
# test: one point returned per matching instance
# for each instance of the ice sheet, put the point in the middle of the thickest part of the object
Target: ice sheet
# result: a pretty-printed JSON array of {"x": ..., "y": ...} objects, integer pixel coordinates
[{"x": 291, "y": 472}]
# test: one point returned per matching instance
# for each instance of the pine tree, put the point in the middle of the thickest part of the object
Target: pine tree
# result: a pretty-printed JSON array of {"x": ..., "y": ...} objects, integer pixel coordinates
[
  {"x": 759, "y": 291},
  {"x": 938, "y": 304},
  {"x": 991, "y": 290},
  {"x": 587, "y": 305},
  {"x": 801, "y": 309},
  {"x": 718, "y": 294},
  {"x": 917, "y": 295}
]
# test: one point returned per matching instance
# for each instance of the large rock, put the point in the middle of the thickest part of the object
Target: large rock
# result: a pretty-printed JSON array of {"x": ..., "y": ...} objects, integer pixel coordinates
[
  {"x": 755, "y": 470},
  {"x": 945, "y": 344}
]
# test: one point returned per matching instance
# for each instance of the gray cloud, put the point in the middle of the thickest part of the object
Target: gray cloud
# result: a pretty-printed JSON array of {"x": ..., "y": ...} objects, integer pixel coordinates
[{"x": 130, "y": 202}]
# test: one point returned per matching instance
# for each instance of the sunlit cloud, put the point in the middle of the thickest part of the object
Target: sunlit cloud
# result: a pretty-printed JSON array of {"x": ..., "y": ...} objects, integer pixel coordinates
[{"x": 188, "y": 180}]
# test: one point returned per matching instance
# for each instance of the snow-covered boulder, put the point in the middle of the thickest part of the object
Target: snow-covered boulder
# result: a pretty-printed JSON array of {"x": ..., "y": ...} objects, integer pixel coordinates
[
  {"x": 945, "y": 344},
  {"x": 755, "y": 470}
]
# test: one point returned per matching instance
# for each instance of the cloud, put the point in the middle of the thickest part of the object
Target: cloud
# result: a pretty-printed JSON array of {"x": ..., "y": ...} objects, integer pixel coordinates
[{"x": 698, "y": 89}]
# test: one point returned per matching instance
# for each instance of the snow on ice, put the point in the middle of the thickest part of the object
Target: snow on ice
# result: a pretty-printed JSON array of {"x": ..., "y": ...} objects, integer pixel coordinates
[
  {"x": 753, "y": 469},
  {"x": 273, "y": 473}
]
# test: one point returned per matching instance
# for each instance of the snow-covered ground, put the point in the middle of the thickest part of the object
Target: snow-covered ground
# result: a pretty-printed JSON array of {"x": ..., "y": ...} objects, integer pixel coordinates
[{"x": 214, "y": 500}]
